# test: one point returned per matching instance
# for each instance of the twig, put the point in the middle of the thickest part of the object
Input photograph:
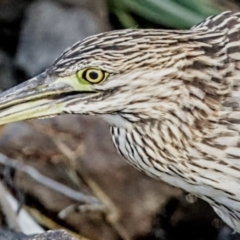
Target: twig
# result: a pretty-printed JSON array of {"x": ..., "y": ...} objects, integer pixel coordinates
[
  {"x": 74, "y": 208},
  {"x": 38, "y": 177},
  {"x": 111, "y": 211},
  {"x": 27, "y": 223},
  {"x": 10, "y": 215}
]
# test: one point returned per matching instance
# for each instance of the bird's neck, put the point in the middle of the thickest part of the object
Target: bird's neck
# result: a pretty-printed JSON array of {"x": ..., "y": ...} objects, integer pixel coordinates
[
  {"x": 152, "y": 144},
  {"x": 118, "y": 121}
]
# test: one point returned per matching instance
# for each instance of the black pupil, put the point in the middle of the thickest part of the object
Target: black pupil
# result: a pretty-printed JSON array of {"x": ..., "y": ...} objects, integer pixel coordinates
[{"x": 93, "y": 75}]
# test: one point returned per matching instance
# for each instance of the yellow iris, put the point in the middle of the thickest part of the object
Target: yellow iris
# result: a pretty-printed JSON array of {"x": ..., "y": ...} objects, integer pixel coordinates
[{"x": 92, "y": 75}]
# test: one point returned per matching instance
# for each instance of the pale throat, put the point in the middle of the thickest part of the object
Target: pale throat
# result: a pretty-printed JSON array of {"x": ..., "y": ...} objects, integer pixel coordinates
[{"x": 117, "y": 121}]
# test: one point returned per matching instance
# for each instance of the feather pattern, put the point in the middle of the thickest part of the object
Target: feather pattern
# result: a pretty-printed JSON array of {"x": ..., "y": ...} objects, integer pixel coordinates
[{"x": 173, "y": 101}]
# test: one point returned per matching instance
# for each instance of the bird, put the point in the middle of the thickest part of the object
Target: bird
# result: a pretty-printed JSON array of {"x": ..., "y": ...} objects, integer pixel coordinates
[{"x": 171, "y": 98}]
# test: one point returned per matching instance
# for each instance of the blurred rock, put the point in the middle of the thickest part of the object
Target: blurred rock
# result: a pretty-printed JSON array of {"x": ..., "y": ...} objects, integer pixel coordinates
[
  {"x": 12, "y": 10},
  {"x": 98, "y": 8},
  {"x": 11, "y": 13},
  {"x": 11, "y": 235},
  {"x": 6, "y": 71},
  {"x": 52, "y": 26},
  {"x": 53, "y": 235},
  {"x": 227, "y": 233}
]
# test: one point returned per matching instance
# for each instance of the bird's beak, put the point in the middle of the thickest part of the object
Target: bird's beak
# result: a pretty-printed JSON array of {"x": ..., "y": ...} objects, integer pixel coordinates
[{"x": 40, "y": 97}]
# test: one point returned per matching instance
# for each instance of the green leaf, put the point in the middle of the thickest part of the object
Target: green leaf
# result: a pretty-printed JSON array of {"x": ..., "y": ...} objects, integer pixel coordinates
[{"x": 170, "y": 13}]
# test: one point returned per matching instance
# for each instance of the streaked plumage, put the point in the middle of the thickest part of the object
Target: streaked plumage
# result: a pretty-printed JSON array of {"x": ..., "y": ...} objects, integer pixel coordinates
[{"x": 172, "y": 99}]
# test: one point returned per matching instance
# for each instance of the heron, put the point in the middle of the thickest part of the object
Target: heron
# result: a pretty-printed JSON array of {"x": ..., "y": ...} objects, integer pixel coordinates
[{"x": 171, "y": 98}]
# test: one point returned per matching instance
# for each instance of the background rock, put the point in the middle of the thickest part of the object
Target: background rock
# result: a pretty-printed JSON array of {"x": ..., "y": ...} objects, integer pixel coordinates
[
  {"x": 53, "y": 235},
  {"x": 11, "y": 15},
  {"x": 6, "y": 71}
]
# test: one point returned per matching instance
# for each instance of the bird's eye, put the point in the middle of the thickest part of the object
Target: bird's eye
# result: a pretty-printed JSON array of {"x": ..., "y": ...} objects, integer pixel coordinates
[{"x": 93, "y": 75}]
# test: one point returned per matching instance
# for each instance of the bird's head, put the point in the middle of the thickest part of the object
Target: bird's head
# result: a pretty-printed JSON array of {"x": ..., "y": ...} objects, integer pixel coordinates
[{"x": 125, "y": 75}]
